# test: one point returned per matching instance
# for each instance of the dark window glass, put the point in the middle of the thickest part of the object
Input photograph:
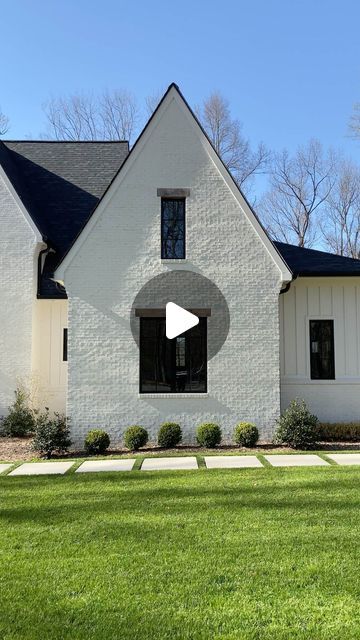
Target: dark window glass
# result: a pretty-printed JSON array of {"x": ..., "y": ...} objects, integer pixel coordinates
[
  {"x": 172, "y": 366},
  {"x": 65, "y": 344},
  {"x": 322, "y": 356},
  {"x": 172, "y": 229}
]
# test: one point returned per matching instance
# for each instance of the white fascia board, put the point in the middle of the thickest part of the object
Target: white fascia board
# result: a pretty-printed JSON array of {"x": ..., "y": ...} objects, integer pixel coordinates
[
  {"x": 173, "y": 94},
  {"x": 21, "y": 206}
]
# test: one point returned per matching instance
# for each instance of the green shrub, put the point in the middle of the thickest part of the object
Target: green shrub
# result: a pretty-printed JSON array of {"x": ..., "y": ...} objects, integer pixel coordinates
[
  {"x": 246, "y": 434},
  {"x": 96, "y": 442},
  {"x": 20, "y": 420},
  {"x": 52, "y": 434},
  {"x": 297, "y": 427},
  {"x": 338, "y": 431},
  {"x": 208, "y": 435},
  {"x": 169, "y": 435},
  {"x": 135, "y": 437}
]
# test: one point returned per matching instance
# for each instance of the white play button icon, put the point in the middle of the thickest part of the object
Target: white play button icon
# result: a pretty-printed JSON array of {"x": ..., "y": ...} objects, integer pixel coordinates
[{"x": 178, "y": 320}]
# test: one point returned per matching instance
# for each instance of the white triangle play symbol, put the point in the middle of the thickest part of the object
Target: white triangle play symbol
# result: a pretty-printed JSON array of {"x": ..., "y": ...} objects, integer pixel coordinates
[{"x": 178, "y": 320}]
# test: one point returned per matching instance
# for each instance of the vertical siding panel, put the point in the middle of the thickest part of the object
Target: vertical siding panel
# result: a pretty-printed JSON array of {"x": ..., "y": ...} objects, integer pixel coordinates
[
  {"x": 63, "y": 325},
  {"x": 314, "y": 300},
  {"x": 350, "y": 329},
  {"x": 52, "y": 346},
  {"x": 338, "y": 309},
  {"x": 358, "y": 328},
  {"x": 301, "y": 342},
  {"x": 325, "y": 301},
  {"x": 289, "y": 333},
  {"x": 282, "y": 347}
]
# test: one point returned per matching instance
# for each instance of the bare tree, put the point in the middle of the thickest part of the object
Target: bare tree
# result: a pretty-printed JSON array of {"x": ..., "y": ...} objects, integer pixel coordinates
[
  {"x": 226, "y": 135},
  {"x": 151, "y": 102},
  {"x": 341, "y": 223},
  {"x": 300, "y": 186},
  {"x": 4, "y": 123},
  {"x": 354, "y": 122},
  {"x": 109, "y": 116}
]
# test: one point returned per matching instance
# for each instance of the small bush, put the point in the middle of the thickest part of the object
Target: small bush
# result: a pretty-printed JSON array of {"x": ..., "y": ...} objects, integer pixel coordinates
[
  {"x": 297, "y": 427},
  {"x": 169, "y": 435},
  {"x": 208, "y": 435},
  {"x": 52, "y": 434},
  {"x": 246, "y": 434},
  {"x": 135, "y": 437},
  {"x": 96, "y": 442},
  {"x": 338, "y": 431},
  {"x": 20, "y": 420}
]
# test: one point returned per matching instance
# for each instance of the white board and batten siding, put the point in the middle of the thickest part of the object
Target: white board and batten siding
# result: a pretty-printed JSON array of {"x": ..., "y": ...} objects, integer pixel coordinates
[{"x": 336, "y": 299}]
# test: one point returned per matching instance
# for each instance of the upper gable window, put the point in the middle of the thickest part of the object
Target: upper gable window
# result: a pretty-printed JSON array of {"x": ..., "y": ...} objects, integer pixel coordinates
[{"x": 173, "y": 228}]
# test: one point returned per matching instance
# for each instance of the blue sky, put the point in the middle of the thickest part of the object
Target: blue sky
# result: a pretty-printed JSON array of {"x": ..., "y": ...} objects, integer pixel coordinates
[{"x": 290, "y": 68}]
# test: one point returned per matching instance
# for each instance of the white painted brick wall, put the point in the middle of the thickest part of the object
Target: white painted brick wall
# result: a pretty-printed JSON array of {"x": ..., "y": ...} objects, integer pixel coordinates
[
  {"x": 122, "y": 253},
  {"x": 17, "y": 283}
]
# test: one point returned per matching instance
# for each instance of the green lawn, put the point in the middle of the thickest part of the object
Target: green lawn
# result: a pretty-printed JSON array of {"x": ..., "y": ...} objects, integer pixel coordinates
[{"x": 264, "y": 553}]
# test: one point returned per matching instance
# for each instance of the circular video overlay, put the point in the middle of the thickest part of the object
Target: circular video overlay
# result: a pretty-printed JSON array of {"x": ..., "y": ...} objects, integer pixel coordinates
[{"x": 192, "y": 292}]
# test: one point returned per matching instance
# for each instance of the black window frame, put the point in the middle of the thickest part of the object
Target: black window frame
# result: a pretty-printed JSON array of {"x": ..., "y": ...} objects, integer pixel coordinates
[
  {"x": 163, "y": 201},
  {"x": 203, "y": 324},
  {"x": 65, "y": 344},
  {"x": 313, "y": 367}
]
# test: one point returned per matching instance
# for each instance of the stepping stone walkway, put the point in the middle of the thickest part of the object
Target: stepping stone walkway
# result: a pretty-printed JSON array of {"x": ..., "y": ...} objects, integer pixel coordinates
[
  {"x": 231, "y": 462},
  {"x": 41, "y": 468},
  {"x": 4, "y": 467},
  {"x": 91, "y": 466},
  {"x": 296, "y": 460},
  {"x": 167, "y": 464},
  {"x": 345, "y": 458},
  {"x": 181, "y": 463}
]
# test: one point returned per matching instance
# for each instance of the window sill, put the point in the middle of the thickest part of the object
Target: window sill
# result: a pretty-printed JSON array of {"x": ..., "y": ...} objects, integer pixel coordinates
[
  {"x": 173, "y": 261},
  {"x": 331, "y": 381},
  {"x": 172, "y": 396}
]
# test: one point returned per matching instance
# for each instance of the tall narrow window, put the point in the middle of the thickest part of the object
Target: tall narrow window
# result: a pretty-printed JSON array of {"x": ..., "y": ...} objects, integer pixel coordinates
[
  {"x": 65, "y": 345},
  {"x": 173, "y": 228},
  {"x": 172, "y": 366},
  {"x": 322, "y": 356}
]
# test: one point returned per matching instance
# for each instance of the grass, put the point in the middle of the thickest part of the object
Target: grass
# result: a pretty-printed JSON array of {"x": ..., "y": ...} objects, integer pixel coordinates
[{"x": 260, "y": 554}]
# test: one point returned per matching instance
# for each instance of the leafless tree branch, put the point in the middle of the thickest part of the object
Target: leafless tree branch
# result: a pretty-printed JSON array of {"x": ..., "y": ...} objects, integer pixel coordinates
[
  {"x": 110, "y": 116},
  {"x": 341, "y": 224},
  {"x": 300, "y": 187},
  {"x": 4, "y": 123},
  {"x": 226, "y": 135}
]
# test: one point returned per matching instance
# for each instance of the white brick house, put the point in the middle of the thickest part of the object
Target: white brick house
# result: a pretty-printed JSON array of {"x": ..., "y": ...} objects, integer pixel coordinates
[{"x": 103, "y": 223}]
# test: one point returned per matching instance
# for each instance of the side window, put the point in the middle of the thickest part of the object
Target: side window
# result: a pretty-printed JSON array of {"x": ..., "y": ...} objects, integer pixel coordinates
[
  {"x": 65, "y": 345},
  {"x": 322, "y": 351},
  {"x": 172, "y": 228}
]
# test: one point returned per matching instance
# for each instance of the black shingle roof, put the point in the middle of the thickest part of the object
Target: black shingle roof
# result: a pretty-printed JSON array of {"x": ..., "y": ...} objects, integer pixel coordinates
[
  {"x": 60, "y": 184},
  {"x": 310, "y": 262}
]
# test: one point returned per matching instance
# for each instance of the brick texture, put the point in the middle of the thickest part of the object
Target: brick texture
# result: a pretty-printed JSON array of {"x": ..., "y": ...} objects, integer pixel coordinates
[
  {"x": 17, "y": 294},
  {"x": 122, "y": 252}
]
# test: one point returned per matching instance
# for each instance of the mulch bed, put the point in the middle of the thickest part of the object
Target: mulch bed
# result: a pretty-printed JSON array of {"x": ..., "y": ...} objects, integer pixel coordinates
[{"x": 14, "y": 449}]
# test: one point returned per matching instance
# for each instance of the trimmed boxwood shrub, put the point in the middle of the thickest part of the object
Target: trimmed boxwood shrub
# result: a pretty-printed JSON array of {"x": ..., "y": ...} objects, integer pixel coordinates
[
  {"x": 297, "y": 427},
  {"x": 208, "y": 435},
  {"x": 338, "y": 431},
  {"x": 169, "y": 435},
  {"x": 20, "y": 420},
  {"x": 135, "y": 437},
  {"x": 97, "y": 441},
  {"x": 246, "y": 434},
  {"x": 52, "y": 434}
]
